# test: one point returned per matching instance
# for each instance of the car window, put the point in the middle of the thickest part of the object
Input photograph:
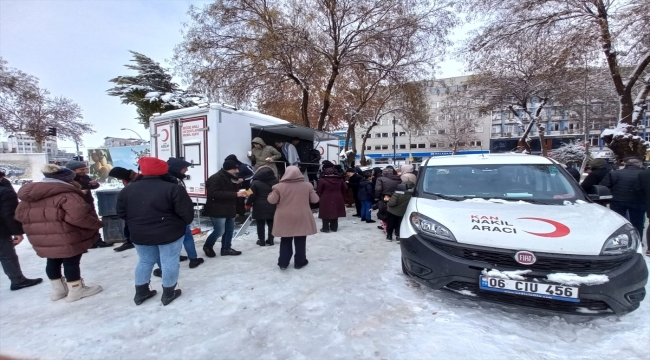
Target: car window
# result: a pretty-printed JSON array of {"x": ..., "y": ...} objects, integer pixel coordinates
[{"x": 513, "y": 181}]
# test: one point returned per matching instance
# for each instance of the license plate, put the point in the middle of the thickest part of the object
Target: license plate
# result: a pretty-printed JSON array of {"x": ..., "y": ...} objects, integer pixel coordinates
[{"x": 528, "y": 288}]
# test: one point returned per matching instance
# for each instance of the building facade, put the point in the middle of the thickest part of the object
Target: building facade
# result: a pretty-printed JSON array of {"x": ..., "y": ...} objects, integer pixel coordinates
[
  {"x": 116, "y": 142},
  {"x": 22, "y": 143},
  {"x": 455, "y": 125}
]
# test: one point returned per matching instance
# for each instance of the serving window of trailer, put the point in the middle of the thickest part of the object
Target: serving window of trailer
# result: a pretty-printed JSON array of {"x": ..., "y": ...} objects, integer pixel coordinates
[{"x": 543, "y": 182}]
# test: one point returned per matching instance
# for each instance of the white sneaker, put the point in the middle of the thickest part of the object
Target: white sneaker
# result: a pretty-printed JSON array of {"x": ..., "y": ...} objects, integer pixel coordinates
[
  {"x": 59, "y": 289},
  {"x": 78, "y": 290}
]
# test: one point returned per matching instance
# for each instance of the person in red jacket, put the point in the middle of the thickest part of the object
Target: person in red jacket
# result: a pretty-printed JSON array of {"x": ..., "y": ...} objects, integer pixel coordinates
[{"x": 61, "y": 226}]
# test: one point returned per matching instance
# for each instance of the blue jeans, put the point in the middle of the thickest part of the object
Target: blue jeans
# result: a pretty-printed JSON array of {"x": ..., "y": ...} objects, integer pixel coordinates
[
  {"x": 166, "y": 255},
  {"x": 188, "y": 243},
  {"x": 223, "y": 228},
  {"x": 635, "y": 210},
  {"x": 365, "y": 210}
]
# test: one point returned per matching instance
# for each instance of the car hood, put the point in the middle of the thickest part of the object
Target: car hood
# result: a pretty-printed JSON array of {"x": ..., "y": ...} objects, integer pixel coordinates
[{"x": 576, "y": 228}]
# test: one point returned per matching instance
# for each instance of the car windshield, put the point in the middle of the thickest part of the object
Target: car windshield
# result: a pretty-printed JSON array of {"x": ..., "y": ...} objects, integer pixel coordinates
[{"x": 543, "y": 184}]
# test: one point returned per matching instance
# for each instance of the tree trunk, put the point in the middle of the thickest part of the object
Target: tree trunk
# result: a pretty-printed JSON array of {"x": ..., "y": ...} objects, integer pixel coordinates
[
  {"x": 304, "y": 108},
  {"x": 39, "y": 145},
  {"x": 542, "y": 140},
  {"x": 363, "y": 144},
  {"x": 326, "y": 97},
  {"x": 352, "y": 157}
]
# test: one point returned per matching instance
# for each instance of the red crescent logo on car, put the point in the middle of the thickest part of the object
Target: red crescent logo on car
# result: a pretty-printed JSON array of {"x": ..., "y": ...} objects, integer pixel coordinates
[
  {"x": 166, "y": 135},
  {"x": 560, "y": 229}
]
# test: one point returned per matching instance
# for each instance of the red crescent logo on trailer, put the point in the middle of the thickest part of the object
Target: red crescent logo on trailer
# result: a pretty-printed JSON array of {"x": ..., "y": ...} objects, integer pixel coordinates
[
  {"x": 322, "y": 150},
  {"x": 166, "y": 135},
  {"x": 561, "y": 230}
]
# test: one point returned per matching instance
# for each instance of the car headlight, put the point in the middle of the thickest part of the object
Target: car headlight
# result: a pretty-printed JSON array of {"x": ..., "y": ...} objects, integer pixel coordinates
[
  {"x": 624, "y": 240},
  {"x": 430, "y": 227}
]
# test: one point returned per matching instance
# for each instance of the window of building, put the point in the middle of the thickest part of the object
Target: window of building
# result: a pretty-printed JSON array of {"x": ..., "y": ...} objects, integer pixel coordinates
[
  {"x": 414, "y": 146},
  {"x": 478, "y": 129},
  {"x": 475, "y": 143},
  {"x": 461, "y": 143},
  {"x": 556, "y": 127},
  {"x": 422, "y": 146},
  {"x": 647, "y": 136},
  {"x": 368, "y": 147},
  {"x": 378, "y": 135},
  {"x": 384, "y": 147},
  {"x": 377, "y": 147},
  {"x": 402, "y": 146},
  {"x": 402, "y": 133},
  {"x": 384, "y": 135},
  {"x": 433, "y": 145},
  {"x": 442, "y": 131}
]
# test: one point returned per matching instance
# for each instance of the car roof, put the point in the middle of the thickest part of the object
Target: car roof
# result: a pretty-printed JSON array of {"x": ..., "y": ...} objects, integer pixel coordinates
[{"x": 490, "y": 159}]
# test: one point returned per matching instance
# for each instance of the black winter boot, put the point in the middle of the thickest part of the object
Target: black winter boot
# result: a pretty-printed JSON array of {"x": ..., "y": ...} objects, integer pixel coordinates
[
  {"x": 169, "y": 294},
  {"x": 195, "y": 262},
  {"x": 142, "y": 293},
  {"x": 126, "y": 246},
  {"x": 182, "y": 258},
  {"x": 209, "y": 252},
  {"x": 261, "y": 243},
  {"x": 270, "y": 242},
  {"x": 157, "y": 272},
  {"x": 25, "y": 283}
]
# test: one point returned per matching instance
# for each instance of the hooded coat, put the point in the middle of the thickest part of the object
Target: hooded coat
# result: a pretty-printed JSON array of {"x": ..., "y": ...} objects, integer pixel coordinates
[
  {"x": 57, "y": 219},
  {"x": 387, "y": 183},
  {"x": 262, "y": 185},
  {"x": 331, "y": 190},
  {"x": 407, "y": 174},
  {"x": 259, "y": 156},
  {"x": 175, "y": 167},
  {"x": 293, "y": 216}
]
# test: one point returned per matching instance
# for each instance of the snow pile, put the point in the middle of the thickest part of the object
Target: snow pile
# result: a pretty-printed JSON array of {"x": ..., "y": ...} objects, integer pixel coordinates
[
  {"x": 506, "y": 275},
  {"x": 576, "y": 280}
]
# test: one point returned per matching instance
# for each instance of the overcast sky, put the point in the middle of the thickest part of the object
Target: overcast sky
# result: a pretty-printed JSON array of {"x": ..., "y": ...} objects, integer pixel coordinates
[{"x": 75, "y": 46}]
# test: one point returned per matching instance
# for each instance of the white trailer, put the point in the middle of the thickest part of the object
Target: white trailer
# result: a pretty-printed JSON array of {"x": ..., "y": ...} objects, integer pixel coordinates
[{"x": 204, "y": 135}]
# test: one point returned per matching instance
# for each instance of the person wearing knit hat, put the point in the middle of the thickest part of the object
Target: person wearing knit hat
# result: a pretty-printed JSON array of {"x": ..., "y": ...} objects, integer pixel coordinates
[
  {"x": 61, "y": 226},
  {"x": 244, "y": 177},
  {"x": 74, "y": 165},
  {"x": 221, "y": 206},
  {"x": 327, "y": 164},
  {"x": 598, "y": 172},
  {"x": 157, "y": 211}
]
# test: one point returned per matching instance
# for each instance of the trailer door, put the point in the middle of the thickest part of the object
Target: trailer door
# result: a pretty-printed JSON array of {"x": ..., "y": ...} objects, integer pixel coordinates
[
  {"x": 163, "y": 135},
  {"x": 193, "y": 148}
]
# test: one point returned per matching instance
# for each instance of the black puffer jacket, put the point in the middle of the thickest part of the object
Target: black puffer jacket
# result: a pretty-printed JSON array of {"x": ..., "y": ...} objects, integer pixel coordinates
[
  {"x": 644, "y": 187},
  {"x": 156, "y": 209},
  {"x": 387, "y": 184},
  {"x": 594, "y": 178},
  {"x": 8, "y": 203},
  {"x": 624, "y": 184},
  {"x": 222, "y": 195},
  {"x": 261, "y": 187}
]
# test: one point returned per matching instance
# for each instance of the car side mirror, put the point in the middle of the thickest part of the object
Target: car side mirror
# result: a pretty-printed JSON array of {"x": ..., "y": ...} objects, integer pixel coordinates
[{"x": 601, "y": 193}]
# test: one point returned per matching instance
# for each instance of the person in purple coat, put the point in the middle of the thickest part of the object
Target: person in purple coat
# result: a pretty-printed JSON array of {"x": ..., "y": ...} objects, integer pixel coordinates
[{"x": 330, "y": 190}]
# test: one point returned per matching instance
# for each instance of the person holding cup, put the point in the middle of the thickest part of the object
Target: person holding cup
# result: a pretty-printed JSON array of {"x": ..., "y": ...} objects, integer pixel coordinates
[
  {"x": 264, "y": 155},
  {"x": 221, "y": 206}
]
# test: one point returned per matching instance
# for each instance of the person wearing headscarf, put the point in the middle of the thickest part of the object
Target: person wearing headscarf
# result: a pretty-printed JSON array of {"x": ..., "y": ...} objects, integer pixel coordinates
[
  {"x": 61, "y": 226},
  {"x": 387, "y": 183},
  {"x": 263, "y": 211},
  {"x": 157, "y": 211},
  {"x": 293, "y": 220},
  {"x": 331, "y": 189}
]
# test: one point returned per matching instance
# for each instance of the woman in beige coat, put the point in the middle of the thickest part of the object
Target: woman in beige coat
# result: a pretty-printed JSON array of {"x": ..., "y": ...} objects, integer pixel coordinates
[{"x": 293, "y": 220}]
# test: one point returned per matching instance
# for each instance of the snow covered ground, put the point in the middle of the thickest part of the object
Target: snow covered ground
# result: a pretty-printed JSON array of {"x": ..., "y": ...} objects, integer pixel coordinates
[{"x": 350, "y": 302}]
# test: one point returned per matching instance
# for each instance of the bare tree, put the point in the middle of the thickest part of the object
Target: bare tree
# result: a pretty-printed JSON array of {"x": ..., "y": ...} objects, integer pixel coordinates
[
  {"x": 24, "y": 107},
  {"x": 617, "y": 29},
  {"x": 523, "y": 77},
  {"x": 244, "y": 49}
]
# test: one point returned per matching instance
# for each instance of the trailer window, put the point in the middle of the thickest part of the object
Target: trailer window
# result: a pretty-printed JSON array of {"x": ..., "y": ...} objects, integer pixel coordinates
[{"x": 192, "y": 153}]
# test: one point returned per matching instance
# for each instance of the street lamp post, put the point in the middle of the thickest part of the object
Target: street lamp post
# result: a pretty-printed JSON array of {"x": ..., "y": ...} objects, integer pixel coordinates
[
  {"x": 394, "y": 142},
  {"x": 133, "y": 132}
]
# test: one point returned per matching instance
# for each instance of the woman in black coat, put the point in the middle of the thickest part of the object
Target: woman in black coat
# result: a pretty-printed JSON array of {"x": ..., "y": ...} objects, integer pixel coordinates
[{"x": 263, "y": 211}]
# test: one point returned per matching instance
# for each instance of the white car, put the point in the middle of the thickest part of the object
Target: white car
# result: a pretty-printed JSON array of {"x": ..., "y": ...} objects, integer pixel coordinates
[{"x": 518, "y": 229}]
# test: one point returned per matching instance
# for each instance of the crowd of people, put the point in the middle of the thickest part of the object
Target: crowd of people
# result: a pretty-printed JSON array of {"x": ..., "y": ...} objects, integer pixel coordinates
[{"x": 59, "y": 217}]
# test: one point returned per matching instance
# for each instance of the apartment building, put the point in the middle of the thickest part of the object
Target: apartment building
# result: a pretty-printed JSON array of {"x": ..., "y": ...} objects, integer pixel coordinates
[
  {"x": 22, "y": 143},
  {"x": 116, "y": 142},
  {"x": 455, "y": 123}
]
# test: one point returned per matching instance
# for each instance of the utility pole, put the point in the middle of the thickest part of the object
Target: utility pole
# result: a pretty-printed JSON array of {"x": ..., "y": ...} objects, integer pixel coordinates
[{"x": 394, "y": 142}]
